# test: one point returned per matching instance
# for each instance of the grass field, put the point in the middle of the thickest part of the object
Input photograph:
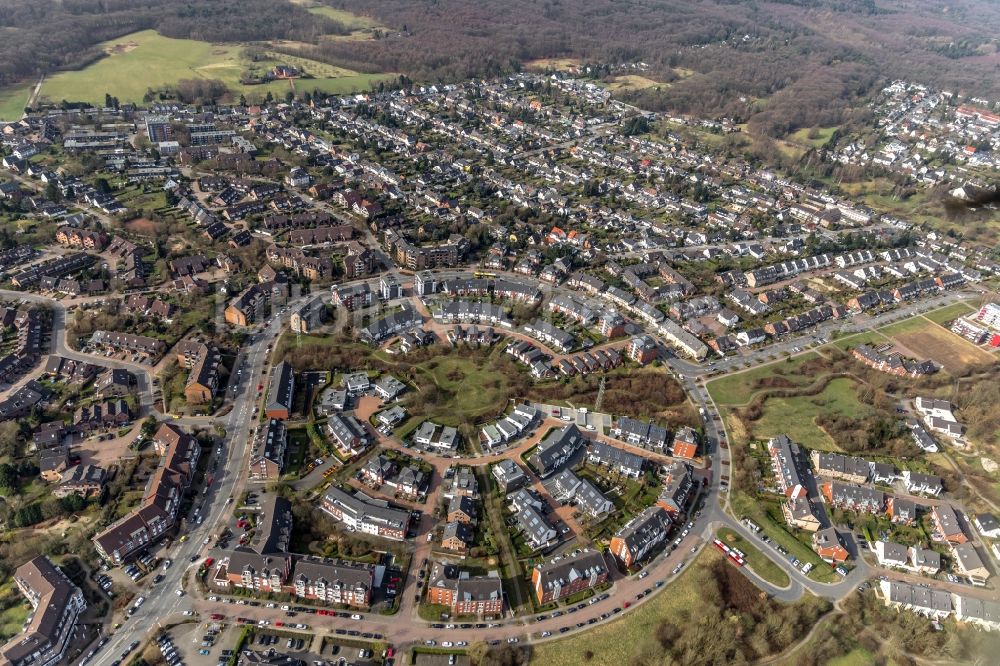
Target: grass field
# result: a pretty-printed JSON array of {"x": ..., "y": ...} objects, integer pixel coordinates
[
  {"x": 801, "y": 137},
  {"x": 863, "y": 338},
  {"x": 949, "y": 312},
  {"x": 760, "y": 563},
  {"x": 147, "y": 59},
  {"x": 632, "y": 82},
  {"x": 923, "y": 338},
  {"x": 12, "y": 101},
  {"x": 795, "y": 417},
  {"x": 738, "y": 388}
]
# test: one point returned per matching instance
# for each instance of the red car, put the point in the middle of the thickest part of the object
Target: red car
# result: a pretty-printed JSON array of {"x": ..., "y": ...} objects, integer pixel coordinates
[
  {"x": 209, "y": 561},
  {"x": 626, "y": 604},
  {"x": 279, "y": 623},
  {"x": 217, "y": 616}
]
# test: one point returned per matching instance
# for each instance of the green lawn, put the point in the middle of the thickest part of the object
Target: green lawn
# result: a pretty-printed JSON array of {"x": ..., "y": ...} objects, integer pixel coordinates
[
  {"x": 13, "y": 100},
  {"x": 795, "y": 416},
  {"x": 863, "y": 338},
  {"x": 463, "y": 389},
  {"x": 906, "y": 326},
  {"x": 738, "y": 388},
  {"x": 146, "y": 59},
  {"x": 949, "y": 312},
  {"x": 801, "y": 136},
  {"x": 756, "y": 560}
]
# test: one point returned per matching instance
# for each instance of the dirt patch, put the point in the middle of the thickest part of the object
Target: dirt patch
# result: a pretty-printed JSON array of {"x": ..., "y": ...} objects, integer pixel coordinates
[
  {"x": 367, "y": 405},
  {"x": 143, "y": 225},
  {"x": 120, "y": 48}
]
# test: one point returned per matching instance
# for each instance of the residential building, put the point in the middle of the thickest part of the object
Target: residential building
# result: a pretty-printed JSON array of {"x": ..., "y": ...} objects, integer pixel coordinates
[
  {"x": 366, "y": 514},
  {"x": 827, "y": 544},
  {"x": 157, "y": 512},
  {"x": 685, "y": 443},
  {"x": 280, "y": 392},
  {"x": 464, "y": 593},
  {"x": 509, "y": 475},
  {"x": 56, "y": 606},
  {"x": 555, "y": 449},
  {"x": 568, "y": 575},
  {"x": 635, "y": 541},
  {"x": 267, "y": 455}
]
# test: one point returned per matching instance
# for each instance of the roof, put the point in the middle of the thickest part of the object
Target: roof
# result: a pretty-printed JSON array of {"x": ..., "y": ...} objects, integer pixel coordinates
[
  {"x": 281, "y": 389},
  {"x": 366, "y": 509},
  {"x": 565, "y": 570},
  {"x": 50, "y": 592},
  {"x": 648, "y": 527}
]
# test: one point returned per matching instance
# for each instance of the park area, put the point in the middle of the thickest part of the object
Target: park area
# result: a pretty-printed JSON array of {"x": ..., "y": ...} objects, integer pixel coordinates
[
  {"x": 147, "y": 60},
  {"x": 740, "y": 387},
  {"x": 796, "y": 416}
]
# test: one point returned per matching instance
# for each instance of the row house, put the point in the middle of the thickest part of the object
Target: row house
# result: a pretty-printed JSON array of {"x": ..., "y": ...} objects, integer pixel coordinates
[
  {"x": 844, "y": 468},
  {"x": 863, "y": 499},
  {"x": 647, "y": 435},
  {"x": 892, "y": 363},
  {"x": 82, "y": 238}
]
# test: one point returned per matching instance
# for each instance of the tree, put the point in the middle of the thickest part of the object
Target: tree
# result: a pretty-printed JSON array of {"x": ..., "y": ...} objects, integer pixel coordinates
[
  {"x": 52, "y": 191},
  {"x": 8, "y": 479},
  {"x": 9, "y": 438}
]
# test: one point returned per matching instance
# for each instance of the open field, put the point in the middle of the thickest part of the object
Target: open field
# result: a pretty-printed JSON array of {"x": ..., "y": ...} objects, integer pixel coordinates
[
  {"x": 739, "y": 388},
  {"x": 632, "y": 82},
  {"x": 756, "y": 560},
  {"x": 12, "y": 101},
  {"x": 560, "y": 64},
  {"x": 923, "y": 338},
  {"x": 863, "y": 338},
  {"x": 802, "y": 138},
  {"x": 147, "y": 59},
  {"x": 796, "y": 416},
  {"x": 949, "y": 312}
]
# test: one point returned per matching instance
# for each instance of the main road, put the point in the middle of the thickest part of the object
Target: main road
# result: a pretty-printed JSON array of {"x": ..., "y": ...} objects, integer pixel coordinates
[{"x": 162, "y": 601}]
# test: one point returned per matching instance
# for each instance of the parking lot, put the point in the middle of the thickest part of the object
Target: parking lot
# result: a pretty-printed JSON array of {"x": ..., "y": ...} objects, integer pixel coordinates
[{"x": 203, "y": 643}]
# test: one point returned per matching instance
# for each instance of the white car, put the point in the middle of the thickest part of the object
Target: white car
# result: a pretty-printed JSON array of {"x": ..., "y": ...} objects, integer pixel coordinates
[
  {"x": 188, "y": 613},
  {"x": 180, "y": 592},
  {"x": 446, "y": 644},
  {"x": 355, "y": 617}
]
